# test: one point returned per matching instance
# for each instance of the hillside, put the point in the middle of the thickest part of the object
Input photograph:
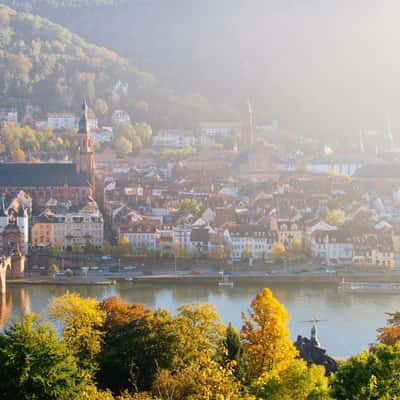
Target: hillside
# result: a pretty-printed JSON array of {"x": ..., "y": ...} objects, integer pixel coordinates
[
  {"x": 320, "y": 66},
  {"x": 46, "y": 65}
]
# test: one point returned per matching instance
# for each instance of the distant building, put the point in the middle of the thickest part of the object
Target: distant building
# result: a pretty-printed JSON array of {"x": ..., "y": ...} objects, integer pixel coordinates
[
  {"x": 8, "y": 115},
  {"x": 174, "y": 138},
  {"x": 252, "y": 240},
  {"x": 103, "y": 135},
  {"x": 120, "y": 117},
  {"x": 340, "y": 164},
  {"x": 63, "y": 181},
  {"x": 69, "y": 227},
  {"x": 122, "y": 87},
  {"x": 221, "y": 129},
  {"x": 141, "y": 235},
  {"x": 61, "y": 121}
]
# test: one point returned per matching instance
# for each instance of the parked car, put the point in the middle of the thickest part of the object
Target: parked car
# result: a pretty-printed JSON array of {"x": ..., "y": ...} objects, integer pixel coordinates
[{"x": 107, "y": 257}]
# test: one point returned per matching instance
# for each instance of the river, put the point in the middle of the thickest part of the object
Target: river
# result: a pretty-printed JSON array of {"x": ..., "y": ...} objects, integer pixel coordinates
[{"x": 349, "y": 320}]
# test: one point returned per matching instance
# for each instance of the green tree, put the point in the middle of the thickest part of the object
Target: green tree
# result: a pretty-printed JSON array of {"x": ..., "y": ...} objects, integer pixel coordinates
[
  {"x": 137, "y": 343},
  {"x": 69, "y": 273},
  {"x": 81, "y": 321},
  {"x": 190, "y": 206},
  {"x": 36, "y": 365},
  {"x": 369, "y": 375},
  {"x": 234, "y": 354}
]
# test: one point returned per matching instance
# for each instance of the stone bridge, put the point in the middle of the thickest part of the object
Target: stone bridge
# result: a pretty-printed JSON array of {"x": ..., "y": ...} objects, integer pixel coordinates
[{"x": 15, "y": 264}]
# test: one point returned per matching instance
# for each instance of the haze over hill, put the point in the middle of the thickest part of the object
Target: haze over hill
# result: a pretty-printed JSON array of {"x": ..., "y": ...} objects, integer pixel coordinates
[
  {"x": 48, "y": 66},
  {"x": 320, "y": 67}
]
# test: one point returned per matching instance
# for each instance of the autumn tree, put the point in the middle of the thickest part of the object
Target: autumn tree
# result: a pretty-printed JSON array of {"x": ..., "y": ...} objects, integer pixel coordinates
[
  {"x": 278, "y": 251},
  {"x": 124, "y": 247},
  {"x": 145, "y": 133},
  {"x": 265, "y": 335},
  {"x": 296, "y": 382},
  {"x": 101, "y": 107},
  {"x": 335, "y": 217},
  {"x": 198, "y": 382},
  {"x": 118, "y": 313},
  {"x": 190, "y": 206},
  {"x": 54, "y": 270},
  {"x": 123, "y": 147},
  {"x": 390, "y": 334},
  {"x": 36, "y": 365},
  {"x": 200, "y": 332},
  {"x": 81, "y": 321}
]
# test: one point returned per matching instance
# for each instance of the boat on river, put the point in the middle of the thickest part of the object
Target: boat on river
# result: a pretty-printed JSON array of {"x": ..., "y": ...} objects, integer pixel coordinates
[
  {"x": 225, "y": 280},
  {"x": 369, "y": 287}
]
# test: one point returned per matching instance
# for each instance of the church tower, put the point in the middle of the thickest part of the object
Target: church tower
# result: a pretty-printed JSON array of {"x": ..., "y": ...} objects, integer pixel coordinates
[{"x": 85, "y": 158}]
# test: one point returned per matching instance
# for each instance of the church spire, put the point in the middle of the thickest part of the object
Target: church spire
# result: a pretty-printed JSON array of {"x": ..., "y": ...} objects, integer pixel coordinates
[
  {"x": 83, "y": 122},
  {"x": 85, "y": 158}
]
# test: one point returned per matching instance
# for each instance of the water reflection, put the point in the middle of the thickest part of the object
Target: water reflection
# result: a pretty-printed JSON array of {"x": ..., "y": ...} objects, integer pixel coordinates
[{"x": 351, "y": 320}]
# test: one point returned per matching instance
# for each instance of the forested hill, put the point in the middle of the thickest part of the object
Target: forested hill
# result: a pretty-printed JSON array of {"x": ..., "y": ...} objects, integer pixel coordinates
[
  {"x": 46, "y": 65},
  {"x": 324, "y": 66}
]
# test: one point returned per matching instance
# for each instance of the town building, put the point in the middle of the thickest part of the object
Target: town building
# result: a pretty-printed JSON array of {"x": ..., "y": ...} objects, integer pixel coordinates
[
  {"x": 61, "y": 121},
  {"x": 103, "y": 135},
  {"x": 120, "y": 117},
  {"x": 254, "y": 241},
  {"x": 9, "y": 115},
  {"x": 174, "y": 138},
  {"x": 141, "y": 235},
  {"x": 62, "y": 181},
  {"x": 68, "y": 227}
]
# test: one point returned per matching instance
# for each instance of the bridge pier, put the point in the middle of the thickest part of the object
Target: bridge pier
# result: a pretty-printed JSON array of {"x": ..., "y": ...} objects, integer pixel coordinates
[{"x": 5, "y": 262}]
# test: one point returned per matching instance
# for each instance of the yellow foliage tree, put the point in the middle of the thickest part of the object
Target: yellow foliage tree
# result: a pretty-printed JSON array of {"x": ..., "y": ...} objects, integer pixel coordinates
[
  {"x": 81, "y": 323},
  {"x": 265, "y": 335},
  {"x": 200, "y": 332},
  {"x": 278, "y": 251},
  {"x": 296, "y": 382}
]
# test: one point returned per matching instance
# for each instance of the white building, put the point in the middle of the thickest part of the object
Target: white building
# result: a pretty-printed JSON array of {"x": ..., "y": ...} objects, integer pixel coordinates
[
  {"x": 141, "y": 235},
  {"x": 103, "y": 135},
  {"x": 9, "y": 116},
  {"x": 332, "y": 247},
  {"x": 174, "y": 138},
  {"x": 215, "y": 129},
  {"x": 61, "y": 121},
  {"x": 120, "y": 117},
  {"x": 253, "y": 240},
  {"x": 182, "y": 234},
  {"x": 339, "y": 164}
]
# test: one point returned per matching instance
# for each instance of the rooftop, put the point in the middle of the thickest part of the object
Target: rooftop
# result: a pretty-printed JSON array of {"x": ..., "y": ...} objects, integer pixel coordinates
[{"x": 40, "y": 174}]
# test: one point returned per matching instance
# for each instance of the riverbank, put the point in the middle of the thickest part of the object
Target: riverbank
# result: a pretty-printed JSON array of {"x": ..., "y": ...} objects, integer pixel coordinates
[
  {"x": 55, "y": 282},
  {"x": 321, "y": 278}
]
